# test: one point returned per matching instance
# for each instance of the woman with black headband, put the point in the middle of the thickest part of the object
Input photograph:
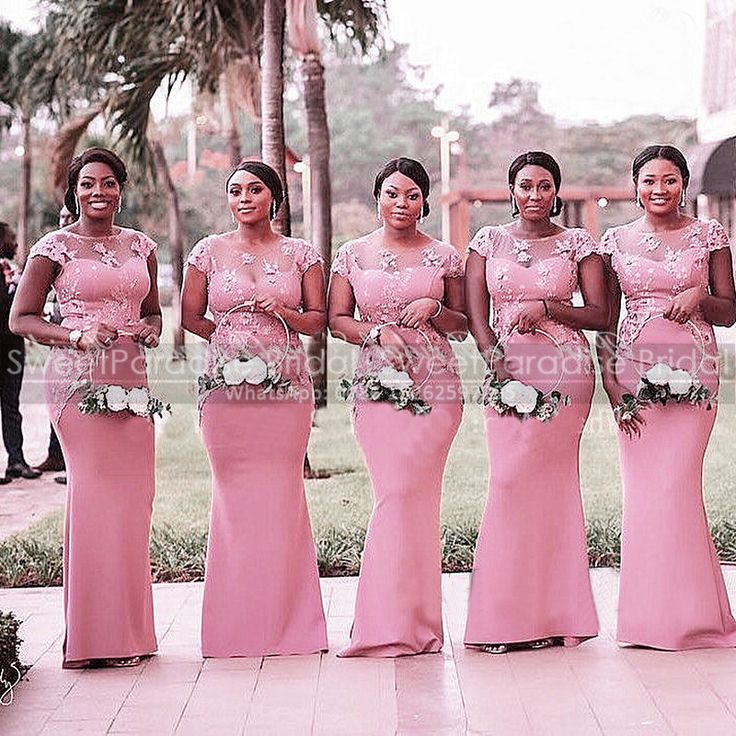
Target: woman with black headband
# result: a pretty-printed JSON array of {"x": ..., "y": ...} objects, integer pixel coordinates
[
  {"x": 105, "y": 279},
  {"x": 262, "y": 289},
  {"x": 530, "y": 585}
]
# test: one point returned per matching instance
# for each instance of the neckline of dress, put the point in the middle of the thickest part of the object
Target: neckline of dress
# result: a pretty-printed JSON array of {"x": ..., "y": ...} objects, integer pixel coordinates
[
  {"x": 533, "y": 240},
  {"x": 94, "y": 237},
  {"x": 644, "y": 233}
]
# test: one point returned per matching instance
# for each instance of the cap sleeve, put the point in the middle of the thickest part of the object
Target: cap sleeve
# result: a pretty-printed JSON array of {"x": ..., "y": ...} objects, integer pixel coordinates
[
  {"x": 342, "y": 261},
  {"x": 454, "y": 265},
  {"x": 607, "y": 244},
  {"x": 307, "y": 257},
  {"x": 54, "y": 247},
  {"x": 143, "y": 245},
  {"x": 585, "y": 245},
  {"x": 717, "y": 236},
  {"x": 482, "y": 242},
  {"x": 200, "y": 256}
]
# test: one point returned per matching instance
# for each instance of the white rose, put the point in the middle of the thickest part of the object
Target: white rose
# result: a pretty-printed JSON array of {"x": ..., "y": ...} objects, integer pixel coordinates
[
  {"x": 680, "y": 382},
  {"x": 138, "y": 401},
  {"x": 512, "y": 393},
  {"x": 659, "y": 374},
  {"x": 116, "y": 398},
  {"x": 528, "y": 400},
  {"x": 233, "y": 372},
  {"x": 391, "y": 378},
  {"x": 255, "y": 371}
]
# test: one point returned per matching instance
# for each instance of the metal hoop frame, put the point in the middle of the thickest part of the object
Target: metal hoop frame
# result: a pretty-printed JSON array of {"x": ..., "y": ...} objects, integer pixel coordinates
[
  {"x": 551, "y": 338},
  {"x": 426, "y": 339},
  {"x": 660, "y": 315},
  {"x": 251, "y": 304}
]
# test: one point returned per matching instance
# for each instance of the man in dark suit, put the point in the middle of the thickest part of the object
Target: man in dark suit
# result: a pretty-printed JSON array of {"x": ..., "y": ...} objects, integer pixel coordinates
[{"x": 12, "y": 361}]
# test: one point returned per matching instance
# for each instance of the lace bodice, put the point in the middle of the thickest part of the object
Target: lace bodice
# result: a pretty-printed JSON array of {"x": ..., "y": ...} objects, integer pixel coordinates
[
  {"x": 234, "y": 277},
  {"x": 518, "y": 271},
  {"x": 99, "y": 280},
  {"x": 384, "y": 282},
  {"x": 652, "y": 268}
]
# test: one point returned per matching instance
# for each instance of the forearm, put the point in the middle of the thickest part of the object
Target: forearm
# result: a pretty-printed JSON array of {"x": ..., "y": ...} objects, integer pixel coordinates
[
  {"x": 198, "y": 324},
  {"x": 154, "y": 321},
  {"x": 485, "y": 340},
  {"x": 588, "y": 317},
  {"x": 34, "y": 327},
  {"x": 350, "y": 329},
  {"x": 452, "y": 323},
  {"x": 309, "y": 322},
  {"x": 718, "y": 310},
  {"x": 605, "y": 349}
]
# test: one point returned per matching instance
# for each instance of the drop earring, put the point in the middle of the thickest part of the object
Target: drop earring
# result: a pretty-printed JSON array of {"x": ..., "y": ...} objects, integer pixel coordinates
[
  {"x": 514, "y": 207},
  {"x": 683, "y": 199},
  {"x": 638, "y": 200},
  {"x": 76, "y": 205},
  {"x": 232, "y": 217},
  {"x": 378, "y": 212},
  {"x": 120, "y": 205}
]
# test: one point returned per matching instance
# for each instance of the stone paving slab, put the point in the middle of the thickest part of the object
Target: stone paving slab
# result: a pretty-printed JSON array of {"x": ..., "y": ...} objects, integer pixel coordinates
[{"x": 596, "y": 688}]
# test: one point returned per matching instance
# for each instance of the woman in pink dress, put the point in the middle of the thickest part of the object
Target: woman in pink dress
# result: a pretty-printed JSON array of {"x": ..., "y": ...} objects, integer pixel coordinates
[
  {"x": 530, "y": 584},
  {"x": 261, "y": 593},
  {"x": 105, "y": 280},
  {"x": 408, "y": 290},
  {"x": 676, "y": 275}
]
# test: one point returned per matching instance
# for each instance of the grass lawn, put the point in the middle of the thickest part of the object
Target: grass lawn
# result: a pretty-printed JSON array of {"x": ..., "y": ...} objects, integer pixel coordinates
[{"x": 340, "y": 505}]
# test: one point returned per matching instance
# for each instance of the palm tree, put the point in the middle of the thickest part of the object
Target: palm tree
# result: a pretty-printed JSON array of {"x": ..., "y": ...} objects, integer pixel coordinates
[{"x": 363, "y": 21}]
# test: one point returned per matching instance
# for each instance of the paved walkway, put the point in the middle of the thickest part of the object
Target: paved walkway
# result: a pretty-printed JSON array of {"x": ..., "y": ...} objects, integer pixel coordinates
[
  {"x": 24, "y": 502},
  {"x": 597, "y": 688}
]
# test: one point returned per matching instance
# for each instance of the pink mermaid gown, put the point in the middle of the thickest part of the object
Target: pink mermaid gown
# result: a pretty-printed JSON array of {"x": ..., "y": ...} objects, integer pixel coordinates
[
  {"x": 399, "y": 601},
  {"x": 110, "y": 459},
  {"x": 530, "y": 574},
  {"x": 672, "y": 594},
  {"x": 261, "y": 592}
]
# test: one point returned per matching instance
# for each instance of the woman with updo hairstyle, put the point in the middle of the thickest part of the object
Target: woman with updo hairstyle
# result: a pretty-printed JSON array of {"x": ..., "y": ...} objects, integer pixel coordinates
[
  {"x": 408, "y": 291},
  {"x": 104, "y": 276},
  {"x": 251, "y": 293},
  {"x": 676, "y": 276},
  {"x": 530, "y": 586}
]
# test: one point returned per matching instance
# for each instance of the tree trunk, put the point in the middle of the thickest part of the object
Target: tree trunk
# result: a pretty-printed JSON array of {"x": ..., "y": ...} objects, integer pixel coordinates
[
  {"x": 273, "y": 142},
  {"x": 176, "y": 244},
  {"x": 230, "y": 119},
  {"x": 24, "y": 210},
  {"x": 318, "y": 134}
]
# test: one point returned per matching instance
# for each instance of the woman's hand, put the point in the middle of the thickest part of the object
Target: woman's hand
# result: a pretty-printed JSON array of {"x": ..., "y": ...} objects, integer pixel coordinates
[
  {"x": 630, "y": 426},
  {"x": 269, "y": 305},
  {"x": 685, "y": 305},
  {"x": 395, "y": 348},
  {"x": 97, "y": 337},
  {"x": 419, "y": 312},
  {"x": 145, "y": 334},
  {"x": 530, "y": 317}
]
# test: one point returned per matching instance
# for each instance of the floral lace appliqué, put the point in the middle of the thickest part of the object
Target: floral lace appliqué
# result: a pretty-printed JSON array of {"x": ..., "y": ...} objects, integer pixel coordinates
[
  {"x": 107, "y": 256},
  {"x": 431, "y": 258},
  {"x": 389, "y": 261},
  {"x": 521, "y": 251}
]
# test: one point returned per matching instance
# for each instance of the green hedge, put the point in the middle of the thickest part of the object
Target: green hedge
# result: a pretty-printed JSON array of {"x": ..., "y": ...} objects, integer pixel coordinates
[{"x": 178, "y": 555}]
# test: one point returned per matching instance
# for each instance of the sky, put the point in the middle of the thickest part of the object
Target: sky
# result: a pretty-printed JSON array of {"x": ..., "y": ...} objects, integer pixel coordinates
[{"x": 597, "y": 60}]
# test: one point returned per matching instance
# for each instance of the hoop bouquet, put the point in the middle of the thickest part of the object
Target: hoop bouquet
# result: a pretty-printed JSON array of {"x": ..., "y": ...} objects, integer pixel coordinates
[
  {"x": 389, "y": 384},
  {"x": 522, "y": 400},
  {"x": 660, "y": 383},
  {"x": 112, "y": 398},
  {"x": 246, "y": 367}
]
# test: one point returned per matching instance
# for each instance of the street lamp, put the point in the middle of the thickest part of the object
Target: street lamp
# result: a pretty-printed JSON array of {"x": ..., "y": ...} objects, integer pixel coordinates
[
  {"x": 446, "y": 138},
  {"x": 302, "y": 167}
]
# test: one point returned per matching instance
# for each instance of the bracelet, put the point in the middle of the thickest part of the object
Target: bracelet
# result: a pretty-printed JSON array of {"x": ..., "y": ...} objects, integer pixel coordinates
[
  {"x": 546, "y": 309},
  {"x": 439, "y": 309},
  {"x": 374, "y": 335}
]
